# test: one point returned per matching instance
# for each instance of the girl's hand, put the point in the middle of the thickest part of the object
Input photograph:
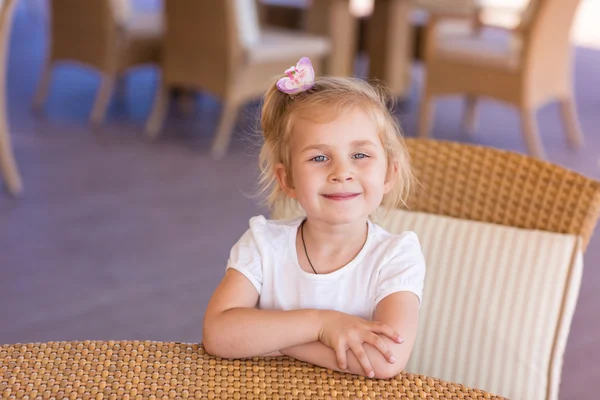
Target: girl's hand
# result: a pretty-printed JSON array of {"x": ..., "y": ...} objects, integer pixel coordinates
[{"x": 341, "y": 332}]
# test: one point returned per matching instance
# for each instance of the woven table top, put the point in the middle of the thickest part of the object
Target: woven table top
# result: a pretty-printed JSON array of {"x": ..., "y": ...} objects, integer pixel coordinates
[{"x": 156, "y": 370}]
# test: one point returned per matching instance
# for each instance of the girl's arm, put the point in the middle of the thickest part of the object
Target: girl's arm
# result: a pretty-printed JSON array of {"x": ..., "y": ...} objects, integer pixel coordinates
[
  {"x": 400, "y": 311},
  {"x": 235, "y": 328}
]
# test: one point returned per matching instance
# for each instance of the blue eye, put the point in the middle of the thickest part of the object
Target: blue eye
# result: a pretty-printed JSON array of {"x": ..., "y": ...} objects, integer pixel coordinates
[
  {"x": 359, "y": 156},
  {"x": 319, "y": 159}
]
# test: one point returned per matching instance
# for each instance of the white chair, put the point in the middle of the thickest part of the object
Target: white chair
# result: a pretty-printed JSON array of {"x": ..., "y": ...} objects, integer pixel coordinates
[
  {"x": 103, "y": 35},
  {"x": 8, "y": 165},
  {"x": 526, "y": 67},
  {"x": 219, "y": 46}
]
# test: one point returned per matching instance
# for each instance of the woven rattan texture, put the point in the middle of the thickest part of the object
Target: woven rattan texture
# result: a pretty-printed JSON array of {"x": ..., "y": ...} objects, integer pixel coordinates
[
  {"x": 485, "y": 184},
  {"x": 148, "y": 370}
]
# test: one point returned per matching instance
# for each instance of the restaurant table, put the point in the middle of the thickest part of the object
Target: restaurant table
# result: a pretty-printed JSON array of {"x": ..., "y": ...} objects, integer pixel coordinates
[
  {"x": 389, "y": 35},
  {"x": 161, "y": 370}
]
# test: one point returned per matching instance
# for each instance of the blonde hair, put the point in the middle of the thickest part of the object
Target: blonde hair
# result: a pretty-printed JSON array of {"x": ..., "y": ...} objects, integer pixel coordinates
[{"x": 280, "y": 110}]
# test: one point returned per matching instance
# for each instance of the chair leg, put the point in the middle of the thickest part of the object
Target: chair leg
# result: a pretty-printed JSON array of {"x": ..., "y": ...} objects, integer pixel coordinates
[
  {"x": 8, "y": 166},
  {"x": 571, "y": 122},
  {"x": 426, "y": 115},
  {"x": 469, "y": 122},
  {"x": 225, "y": 130},
  {"x": 159, "y": 112},
  {"x": 121, "y": 86},
  {"x": 186, "y": 101},
  {"x": 43, "y": 86},
  {"x": 531, "y": 133},
  {"x": 102, "y": 99}
]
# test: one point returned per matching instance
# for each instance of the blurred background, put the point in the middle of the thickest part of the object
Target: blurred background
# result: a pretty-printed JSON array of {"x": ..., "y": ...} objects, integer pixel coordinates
[{"x": 117, "y": 236}]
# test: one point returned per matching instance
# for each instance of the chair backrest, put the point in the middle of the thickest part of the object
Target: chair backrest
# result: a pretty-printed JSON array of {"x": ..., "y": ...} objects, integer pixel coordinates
[
  {"x": 288, "y": 14},
  {"x": 527, "y": 14},
  {"x": 546, "y": 30},
  {"x": 122, "y": 10},
  {"x": 246, "y": 13},
  {"x": 489, "y": 185},
  {"x": 204, "y": 41},
  {"x": 84, "y": 31}
]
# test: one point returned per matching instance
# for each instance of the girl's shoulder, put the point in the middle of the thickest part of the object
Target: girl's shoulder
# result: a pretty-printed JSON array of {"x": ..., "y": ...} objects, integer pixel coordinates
[
  {"x": 271, "y": 230},
  {"x": 391, "y": 242},
  {"x": 261, "y": 222}
]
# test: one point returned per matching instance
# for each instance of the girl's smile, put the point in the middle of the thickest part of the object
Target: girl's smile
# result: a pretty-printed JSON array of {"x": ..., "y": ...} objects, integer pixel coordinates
[{"x": 341, "y": 196}]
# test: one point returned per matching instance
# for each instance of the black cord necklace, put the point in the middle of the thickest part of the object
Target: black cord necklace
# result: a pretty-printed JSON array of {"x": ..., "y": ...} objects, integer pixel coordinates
[{"x": 304, "y": 244}]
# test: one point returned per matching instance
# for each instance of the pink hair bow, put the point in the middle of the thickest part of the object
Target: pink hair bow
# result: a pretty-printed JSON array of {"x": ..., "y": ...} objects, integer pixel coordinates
[{"x": 299, "y": 78}]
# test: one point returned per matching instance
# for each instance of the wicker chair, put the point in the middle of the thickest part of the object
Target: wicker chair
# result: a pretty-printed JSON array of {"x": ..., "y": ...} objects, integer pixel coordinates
[
  {"x": 219, "y": 46},
  {"x": 8, "y": 166},
  {"x": 526, "y": 68},
  {"x": 101, "y": 35},
  {"x": 484, "y": 184},
  {"x": 466, "y": 191}
]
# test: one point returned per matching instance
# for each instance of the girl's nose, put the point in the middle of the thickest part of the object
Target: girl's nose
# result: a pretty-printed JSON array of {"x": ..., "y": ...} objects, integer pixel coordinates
[{"x": 340, "y": 172}]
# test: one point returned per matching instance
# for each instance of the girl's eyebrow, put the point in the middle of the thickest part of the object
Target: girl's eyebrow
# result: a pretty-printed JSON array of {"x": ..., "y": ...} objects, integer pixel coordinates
[
  {"x": 324, "y": 147},
  {"x": 321, "y": 147},
  {"x": 363, "y": 143}
]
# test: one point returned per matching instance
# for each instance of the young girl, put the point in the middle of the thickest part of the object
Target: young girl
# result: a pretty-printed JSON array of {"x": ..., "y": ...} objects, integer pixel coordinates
[{"x": 331, "y": 288}]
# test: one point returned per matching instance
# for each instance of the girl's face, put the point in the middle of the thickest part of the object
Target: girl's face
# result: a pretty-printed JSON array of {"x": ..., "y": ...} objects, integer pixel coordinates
[{"x": 339, "y": 170}]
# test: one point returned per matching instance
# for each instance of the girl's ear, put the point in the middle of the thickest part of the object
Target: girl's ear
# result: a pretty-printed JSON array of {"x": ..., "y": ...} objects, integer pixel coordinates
[
  {"x": 285, "y": 180},
  {"x": 390, "y": 177}
]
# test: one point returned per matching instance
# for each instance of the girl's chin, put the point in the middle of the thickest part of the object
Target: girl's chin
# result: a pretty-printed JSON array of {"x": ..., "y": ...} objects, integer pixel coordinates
[{"x": 340, "y": 217}]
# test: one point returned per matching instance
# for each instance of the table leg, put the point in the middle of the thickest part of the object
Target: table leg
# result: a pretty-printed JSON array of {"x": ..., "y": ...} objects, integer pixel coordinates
[
  {"x": 389, "y": 45},
  {"x": 332, "y": 18}
]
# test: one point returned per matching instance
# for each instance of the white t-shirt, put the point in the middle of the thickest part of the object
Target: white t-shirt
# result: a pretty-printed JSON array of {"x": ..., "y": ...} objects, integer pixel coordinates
[{"x": 387, "y": 263}]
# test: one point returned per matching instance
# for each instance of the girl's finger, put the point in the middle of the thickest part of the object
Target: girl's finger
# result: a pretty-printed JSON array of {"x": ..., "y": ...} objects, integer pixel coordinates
[
  {"x": 385, "y": 329},
  {"x": 340, "y": 354},
  {"x": 377, "y": 342},
  {"x": 364, "y": 361}
]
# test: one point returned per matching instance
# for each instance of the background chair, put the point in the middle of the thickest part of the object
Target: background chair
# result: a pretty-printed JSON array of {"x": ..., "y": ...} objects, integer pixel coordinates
[
  {"x": 289, "y": 14},
  {"x": 503, "y": 235},
  {"x": 8, "y": 166},
  {"x": 526, "y": 67},
  {"x": 219, "y": 46},
  {"x": 103, "y": 35}
]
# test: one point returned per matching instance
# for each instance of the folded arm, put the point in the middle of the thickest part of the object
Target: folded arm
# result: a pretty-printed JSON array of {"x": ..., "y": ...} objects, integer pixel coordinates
[
  {"x": 235, "y": 328},
  {"x": 400, "y": 311}
]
